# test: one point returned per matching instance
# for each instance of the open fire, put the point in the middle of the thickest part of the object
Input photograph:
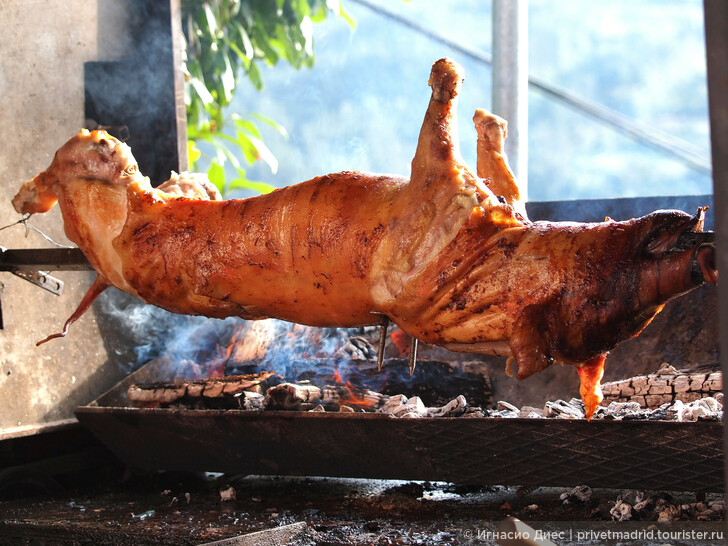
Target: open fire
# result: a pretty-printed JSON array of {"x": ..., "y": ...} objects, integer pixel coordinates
[{"x": 276, "y": 366}]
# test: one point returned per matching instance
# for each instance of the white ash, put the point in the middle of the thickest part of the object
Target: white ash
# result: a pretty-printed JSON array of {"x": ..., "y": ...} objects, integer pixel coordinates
[
  {"x": 307, "y": 397},
  {"x": 248, "y": 400},
  {"x": 454, "y": 408},
  {"x": 579, "y": 494},
  {"x": 707, "y": 409},
  {"x": 621, "y": 511},
  {"x": 636, "y": 505},
  {"x": 561, "y": 409},
  {"x": 401, "y": 406},
  {"x": 529, "y": 412},
  {"x": 504, "y": 409}
]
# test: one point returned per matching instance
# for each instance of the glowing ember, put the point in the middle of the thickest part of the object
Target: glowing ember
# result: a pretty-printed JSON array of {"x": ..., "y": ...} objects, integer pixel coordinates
[{"x": 401, "y": 341}]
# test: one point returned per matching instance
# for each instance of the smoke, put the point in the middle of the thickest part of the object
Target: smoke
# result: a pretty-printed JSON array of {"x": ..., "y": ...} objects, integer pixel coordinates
[{"x": 233, "y": 344}]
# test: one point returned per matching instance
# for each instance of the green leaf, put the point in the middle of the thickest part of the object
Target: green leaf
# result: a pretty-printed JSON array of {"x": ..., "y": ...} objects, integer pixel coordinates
[
  {"x": 202, "y": 92},
  {"x": 245, "y": 184},
  {"x": 216, "y": 174},
  {"x": 228, "y": 80},
  {"x": 210, "y": 19},
  {"x": 277, "y": 126},
  {"x": 193, "y": 152},
  {"x": 247, "y": 52},
  {"x": 307, "y": 33},
  {"x": 262, "y": 41},
  {"x": 255, "y": 77},
  {"x": 264, "y": 153},
  {"x": 349, "y": 19},
  {"x": 247, "y": 126}
]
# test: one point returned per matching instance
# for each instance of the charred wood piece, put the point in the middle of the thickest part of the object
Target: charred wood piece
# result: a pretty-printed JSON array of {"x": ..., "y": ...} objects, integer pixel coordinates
[
  {"x": 292, "y": 396},
  {"x": 234, "y": 392}
]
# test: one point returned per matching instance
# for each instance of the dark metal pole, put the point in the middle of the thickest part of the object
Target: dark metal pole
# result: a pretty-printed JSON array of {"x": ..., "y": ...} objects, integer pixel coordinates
[{"x": 716, "y": 43}]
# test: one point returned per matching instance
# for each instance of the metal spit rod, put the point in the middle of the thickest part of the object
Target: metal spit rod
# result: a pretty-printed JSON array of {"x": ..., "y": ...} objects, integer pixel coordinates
[{"x": 47, "y": 259}]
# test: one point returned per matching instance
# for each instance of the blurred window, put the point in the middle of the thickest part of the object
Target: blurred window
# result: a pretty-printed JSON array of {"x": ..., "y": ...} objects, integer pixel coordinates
[{"x": 641, "y": 62}]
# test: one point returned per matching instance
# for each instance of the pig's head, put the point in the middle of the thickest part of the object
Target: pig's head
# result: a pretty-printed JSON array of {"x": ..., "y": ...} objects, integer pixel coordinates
[
  {"x": 92, "y": 155},
  {"x": 642, "y": 264}
]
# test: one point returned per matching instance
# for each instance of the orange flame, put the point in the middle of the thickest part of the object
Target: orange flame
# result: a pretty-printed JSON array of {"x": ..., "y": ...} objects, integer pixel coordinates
[
  {"x": 350, "y": 398},
  {"x": 402, "y": 341}
]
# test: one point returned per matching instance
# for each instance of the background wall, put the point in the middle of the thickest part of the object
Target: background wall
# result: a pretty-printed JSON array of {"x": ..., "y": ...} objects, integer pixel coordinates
[{"x": 44, "y": 44}]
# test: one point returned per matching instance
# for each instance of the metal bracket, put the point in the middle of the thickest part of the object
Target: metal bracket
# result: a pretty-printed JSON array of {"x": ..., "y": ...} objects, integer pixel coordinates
[{"x": 42, "y": 279}]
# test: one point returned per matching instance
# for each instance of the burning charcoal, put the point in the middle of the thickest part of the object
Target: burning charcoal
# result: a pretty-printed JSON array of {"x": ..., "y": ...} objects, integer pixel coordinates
[
  {"x": 674, "y": 412},
  {"x": 401, "y": 406},
  {"x": 319, "y": 408},
  {"x": 644, "y": 507},
  {"x": 412, "y": 409},
  {"x": 228, "y": 494},
  {"x": 621, "y": 511},
  {"x": 632, "y": 496},
  {"x": 392, "y": 403},
  {"x": 476, "y": 413},
  {"x": 659, "y": 414},
  {"x": 701, "y": 409},
  {"x": 506, "y": 406},
  {"x": 354, "y": 396},
  {"x": 454, "y": 408},
  {"x": 620, "y": 409},
  {"x": 714, "y": 510},
  {"x": 250, "y": 400},
  {"x": 357, "y": 348},
  {"x": 562, "y": 410},
  {"x": 580, "y": 494},
  {"x": 505, "y": 409},
  {"x": 346, "y": 409},
  {"x": 529, "y": 412},
  {"x": 671, "y": 513},
  {"x": 291, "y": 396}
]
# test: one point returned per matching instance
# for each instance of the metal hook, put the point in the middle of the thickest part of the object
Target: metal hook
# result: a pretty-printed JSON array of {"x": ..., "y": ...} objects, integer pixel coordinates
[
  {"x": 382, "y": 341},
  {"x": 413, "y": 356}
]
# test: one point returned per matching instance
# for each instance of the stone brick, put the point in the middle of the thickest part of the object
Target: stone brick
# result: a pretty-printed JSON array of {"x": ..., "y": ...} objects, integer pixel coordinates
[
  {"x": 660, "y": 386},
  {"x": 696, "y": 381},
  {"x": 640, "y": 384},
  {"x": 690, "y": 396},
  {"x": 681, "y": 383},
  {"x": 713, "y": 383},
  {"x": 655, "y": 400}
]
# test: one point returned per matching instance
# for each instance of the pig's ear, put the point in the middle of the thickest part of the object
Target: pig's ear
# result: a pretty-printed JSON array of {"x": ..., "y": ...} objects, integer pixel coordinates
[
  {"x": 530, "y": 343},
  {"x": 675, "y": 231}
]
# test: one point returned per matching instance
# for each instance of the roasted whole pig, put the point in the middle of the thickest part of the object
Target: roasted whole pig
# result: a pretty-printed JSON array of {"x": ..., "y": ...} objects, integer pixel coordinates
[{"x": 448, "y": 255}]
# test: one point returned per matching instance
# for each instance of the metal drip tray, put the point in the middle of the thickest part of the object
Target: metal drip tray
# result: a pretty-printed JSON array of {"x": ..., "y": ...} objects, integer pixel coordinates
[{"x": 676, "y": 456}]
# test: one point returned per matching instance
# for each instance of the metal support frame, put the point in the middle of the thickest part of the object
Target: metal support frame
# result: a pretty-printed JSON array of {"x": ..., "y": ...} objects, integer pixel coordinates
[
  {"x": 716, "y": 43},
  {"x": 141, "y": 100},
  {"x": 510, "y": 81}
]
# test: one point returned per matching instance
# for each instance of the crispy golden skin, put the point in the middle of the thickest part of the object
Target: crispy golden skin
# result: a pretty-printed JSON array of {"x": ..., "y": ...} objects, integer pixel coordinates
[{"x": 449, "y": 256}]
